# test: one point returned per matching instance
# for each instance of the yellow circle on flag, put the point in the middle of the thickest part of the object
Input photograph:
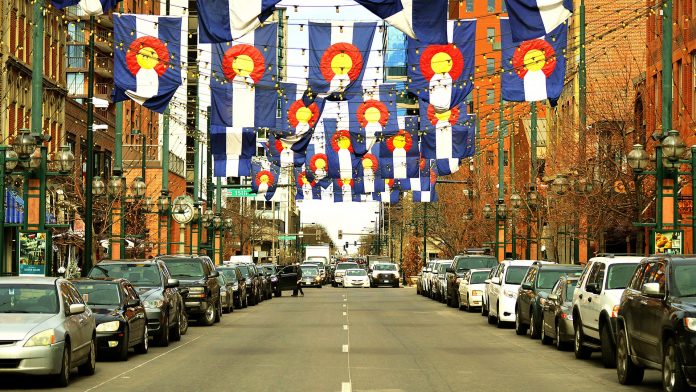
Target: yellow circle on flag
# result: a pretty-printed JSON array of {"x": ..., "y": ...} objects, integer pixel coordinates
[
  {"x": 343, "y": 143},
  {"x": 341, "y": 64},
  {"x": 372, "y": 114},
  {"x": 445, "y": 116},
  {"x": 303, "y": 115},
  {"x": 441, "y": 63},
  {"x": 367, "y": 163},
  {"x": 243, "y": 65},
  {"x": 534, "y": 60},
  {"x": 320, "y": 164},
  {"x": 263, "y": 179},
  {"x": 399, "y": 141},
  {"x": 147, "y": 58}
]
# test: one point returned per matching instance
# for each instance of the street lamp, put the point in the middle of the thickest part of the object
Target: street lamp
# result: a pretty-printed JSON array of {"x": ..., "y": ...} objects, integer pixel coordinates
[
  {"x": 560, "y": 184},
  {"x": 532, "y": 197},
  {"x": 502, "y": 209},
  {"x": 24, "y": 144},
  {"x": 163, "y": 204},
  {"x": 638, "y": 158},
  {"x": 11, "y": 160},
  {"x": 138, "y": 187},
  {"x": 66, "y": 160},
  {"x": 116, "y": 187},
  {"x": 208, "y": 217},
  {"x": 148, "y": 204},
  {"x": 217, "y": 222},
  {"x": 673, "y": 146},
  {"x": 487, "y": 211},
  {"x": 229, "y": 223},
  {"x": 468, "y": 215},
  {"x": 98, "y": 187},
  {"x": 516, "y": 201}
]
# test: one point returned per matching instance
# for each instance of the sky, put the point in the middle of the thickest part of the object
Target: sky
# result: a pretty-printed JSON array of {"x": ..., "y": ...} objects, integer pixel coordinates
[{"x": 348, "y": 217}]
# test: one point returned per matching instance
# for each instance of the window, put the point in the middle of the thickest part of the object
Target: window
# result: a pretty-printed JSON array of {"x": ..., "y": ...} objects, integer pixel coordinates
[
  {"x": 76, "y": 32},
  {"x": 490, "y": 34},
  {"x": 490, "y": 97},
  {"x": 469, "y": 5},
  {"x": 76, "y": 56},
  {"x": 491, "y": 5},
  {"x": 490, "y": 128},
  {"x": 654, "y": 273},
  {"x": 505, "y": 158},
  {"x": 489, "y": 158},
  {"x": 490, "y": 66},
  {"x": 504, "y": 6},
  {"x": 76, "y": 83}
]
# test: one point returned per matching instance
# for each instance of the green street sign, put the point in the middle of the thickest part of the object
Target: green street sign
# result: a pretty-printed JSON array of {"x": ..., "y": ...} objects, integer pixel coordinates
[
  {"x": 287, "y": 237},
  {"x": 240, "y": 192}
]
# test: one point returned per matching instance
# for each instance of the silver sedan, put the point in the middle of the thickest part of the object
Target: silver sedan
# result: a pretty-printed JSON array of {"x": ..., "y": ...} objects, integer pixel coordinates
[{"x": 45, "y": 328}]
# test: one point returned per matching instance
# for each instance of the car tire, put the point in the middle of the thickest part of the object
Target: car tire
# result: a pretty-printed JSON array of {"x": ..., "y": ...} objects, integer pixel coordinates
[
  {"x": 144, "y": 346},
  {"x": 490, "y": 318},
  {"x": 498, "y": 322},
  {"x": 62, "y": 379},
  {"x": 484, "y": 309},
  {"x": 88, "y": 368},
  {"x": 581, "y": 351},
  {"x": 245, "y": 303},
  {"x": 278, "y": 293},
  {"x": 608, "y": 348},
  {"x": 627, "y": 372},
  {"x": 534, "y": 330},
  {"x": 123, "y": 351},
  {"x": 520, "y": 327},
  {"x": 185, "y": 322},
  {"x": 218, "y": 313},
  {"x": 175, "y": 331},
  {"x": 673, "y": 379},
  {"x": 208, "y": 317},
  {"x": 162, "y": 338},
  {"x": 320, "y": 286},
  {"x": 545, "y": 339},
  {"x": 560, "y": 345},
  {"x": 333, "y": 284},
  {"x": 469, "y": 308}
]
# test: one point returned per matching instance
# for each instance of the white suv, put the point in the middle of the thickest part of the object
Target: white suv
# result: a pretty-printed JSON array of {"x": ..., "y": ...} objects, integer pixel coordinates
[
  {"x": 501, "y": 291},
  {"x": 427, "y": 273},
  {"x": 596, "y": 302}
]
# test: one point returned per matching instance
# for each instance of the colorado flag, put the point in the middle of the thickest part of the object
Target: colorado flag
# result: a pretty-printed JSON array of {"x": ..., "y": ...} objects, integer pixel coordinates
[
  {"x": 264, "y": 178},
  {"x": 89, "y": 7},
  {"x": 227, "y": 20},
  {"x": 530, "y": 19},
  {"x": 371, "y": 114},
  {"x": 423, "y": 20},
  {"x": 447, "y": 137}
]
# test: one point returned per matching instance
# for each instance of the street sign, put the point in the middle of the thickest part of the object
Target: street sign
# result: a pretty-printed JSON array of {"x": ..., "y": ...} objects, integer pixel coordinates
[
  {"x": 287, "y": 237},
  {"x": 240, "y": 192}
]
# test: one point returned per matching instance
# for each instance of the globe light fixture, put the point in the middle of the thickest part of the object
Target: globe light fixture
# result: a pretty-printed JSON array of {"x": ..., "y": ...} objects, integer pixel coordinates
[
  {"x": 638, "y": 158},
  {"x": 673, "y": 146},
  {"x": 98, "y": 187}
]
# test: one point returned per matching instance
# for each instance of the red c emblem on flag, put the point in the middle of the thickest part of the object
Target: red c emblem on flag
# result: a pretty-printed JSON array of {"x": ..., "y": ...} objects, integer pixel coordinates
[
  {"x": 372, "y": 111},
  {"x": 302, "y": 180},
  {"x": 402, "y": 139},
  {"x": 265, "y": 177},
  {"x": 244, "y": 60},
  {"x": 299, "y": 113},
  {"x": 534, "y": 55},
  {"x": 441, "y": 59},
  {"x": 451, "y": 115},
  {"x": 341, "y": 59},
  {"x": 345, "y": 181},
  {"x": 370, "y": 162},
  {"x": 318, "y": 161},
  {"x": 389, "y": 183},
  {"x": 341, "y": 141},
  {"x": 149, "y": 53}
]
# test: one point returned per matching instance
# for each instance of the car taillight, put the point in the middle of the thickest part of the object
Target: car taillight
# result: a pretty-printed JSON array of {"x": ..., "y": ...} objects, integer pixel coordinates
[{"x": 615, "y": 311}]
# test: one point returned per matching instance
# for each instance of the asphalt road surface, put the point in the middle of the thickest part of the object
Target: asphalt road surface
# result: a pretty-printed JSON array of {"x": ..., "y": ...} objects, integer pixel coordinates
[{"x": 349, "y": 340}]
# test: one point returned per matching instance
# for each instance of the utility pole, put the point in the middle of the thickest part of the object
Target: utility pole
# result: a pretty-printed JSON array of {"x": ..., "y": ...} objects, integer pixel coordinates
[
  {"x": 87, "y": 263},
  {"x": 582, "y": 137},
  {"x": 500, "y": 232},
  {"x": 665, "y": 217},
  {"x": 532, "y": 180},
  {"x": 512, "y": 179},
  {"x": 425, "y": 233}
]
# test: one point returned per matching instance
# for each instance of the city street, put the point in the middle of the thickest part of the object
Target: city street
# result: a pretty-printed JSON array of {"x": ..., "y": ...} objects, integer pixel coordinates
[{"x": 334, "y": 339}]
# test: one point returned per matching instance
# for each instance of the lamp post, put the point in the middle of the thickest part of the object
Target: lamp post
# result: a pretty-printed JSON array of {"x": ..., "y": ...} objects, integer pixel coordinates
[{"x": 532, "y": 204}]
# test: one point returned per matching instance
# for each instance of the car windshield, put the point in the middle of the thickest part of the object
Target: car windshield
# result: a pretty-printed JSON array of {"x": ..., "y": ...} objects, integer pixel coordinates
[
  {"x": 99, "y": 294},
  {"x": 229, "y": 273},
  {"x": 684, "y": 278},
  {"x": 514, "y": 275},
  {"x": 28, "y": 298},
  {"x": 547, "y": 279},
  {"x": 345, "y": 266},
  {"x": 270, "y": 269},
  {"x": 619, "y": 275},
  {"x": 185, "y": 268},
  {"x": 384, "y": 267},
  {"x": 443, "y": 267},
  {"x": 478, "y": 277},
  {"x": 140, "y": 275},
  {"x": 467, "y": 263},
  {"x": 309, "y": 270},
  {"x": 356, "y": 272},
  {"x": 570, "y": 288},
  {"x": 244, "y": 270}
]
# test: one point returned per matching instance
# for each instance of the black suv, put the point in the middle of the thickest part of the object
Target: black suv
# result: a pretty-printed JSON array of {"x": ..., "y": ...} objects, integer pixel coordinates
[
  {"x": 656, "y": 322},
  {"x": 460, "y": 266},
  {"x": 158, "y": 290},
  {"x": 239, "y": 284},
  {"x": 253, "y": 282},
  {"x": 533, "y": 293},
  {"x": 272, "y": 271},
  {"x": 198, "y": 274}
]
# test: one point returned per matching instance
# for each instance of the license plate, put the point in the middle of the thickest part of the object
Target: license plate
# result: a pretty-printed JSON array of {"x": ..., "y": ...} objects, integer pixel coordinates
[{"x": 385, "y": 281}]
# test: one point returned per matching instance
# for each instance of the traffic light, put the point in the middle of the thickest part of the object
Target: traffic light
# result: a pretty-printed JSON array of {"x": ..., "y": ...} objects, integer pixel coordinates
[
  {"x": 340, "y": 234},
  {"x": 355, "y": 243},
  {"x": 317, "y": 235},
  {"x": 347, "y": 245}
]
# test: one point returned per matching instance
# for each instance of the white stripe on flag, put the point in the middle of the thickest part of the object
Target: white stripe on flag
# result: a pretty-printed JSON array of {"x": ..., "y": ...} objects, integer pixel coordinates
[
  {"x": 244, "y": 16},
  {"x": 146, "y": 80},
  {"x": 415, "y": 184},
  {"x": 345, "y": 164},
  {"x": 233, "y": 141},
  {"x": 552, "y": 13},
  {"x": 342, "y": 116},
  {"x": 443, "y": 140},
  {"x": 243, "y": 102},
  {"x": 370, "y": 129},
  {"x": 232, "y": 166},
  {"x": 535, "y": 86},
  {"x": 91, "y": 7},
  {"x": 369, "y": 182},
  {"x": 399, "y": 162},
  {"x": 341, "y": 31},
  {"x": 146, "y": 25},
  {"x": 403, "y": 20}
]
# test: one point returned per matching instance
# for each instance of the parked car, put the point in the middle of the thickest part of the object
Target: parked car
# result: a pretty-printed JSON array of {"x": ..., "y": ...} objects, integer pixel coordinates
[
  {"x": 656, "y": 323},
  {"x": 266, "y": 284},
  {"x": 311, "y": 276},
  {"x": 356, "y": 277},
  {"x": 226, "y": 293},
  {"x": 287, "y": 278},
  {"x": 119, "y": 314},
  {"x": 460, "y": 265},
  {"x": 253, "y": 283},
  {"x": 341, "y": 270},
  {"x": 501, "y": 290},
  {"x": 198, "y": 274},
  {"x": 425, "y": 279},
  {"x": 239, "y": 289},
  {"x": 596, "y": 303},
  {"x": 272, "y": 270},
  {"x": 46, "y": 329},
  {"x": 471, "y": 288},
  {"x": 557, "y": 313},
  {"x": 158, "y": 291},
  {"x": 484, "y": 302},
  {"x": 384, "y": 274},
  {"x": 434, "y": 284},
  {"x": 441, "y": 281},
  {"x": 536, "y": 285},
  {"x": 419, "y": 281}
]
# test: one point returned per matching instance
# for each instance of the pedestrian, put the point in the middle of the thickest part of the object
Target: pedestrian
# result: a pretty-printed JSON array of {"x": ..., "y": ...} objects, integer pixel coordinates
[{"x": 298, "y": 270}]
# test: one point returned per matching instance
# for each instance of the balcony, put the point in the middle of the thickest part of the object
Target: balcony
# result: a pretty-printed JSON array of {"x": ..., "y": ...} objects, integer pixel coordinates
[
  {"x": 104, "y": 66},
  {"x": 102, "y": 41},
  {"x": 103, "y": 90}
]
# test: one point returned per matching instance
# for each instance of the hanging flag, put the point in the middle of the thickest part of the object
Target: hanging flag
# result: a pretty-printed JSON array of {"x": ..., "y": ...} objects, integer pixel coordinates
[
  {"x": 89, "y": 7},
  {"x": 264, "y": 178},
  {"x": 399, "y": 155},
  {"x": 147, "y": 68},
  {"x": 343, "y": 163},
  {"x": 443, "y": 74},
  {"x": 533, "y": 70},
  {"x": 306, "y": 189},
  {"x": 430, "y": 195},
  {"x": 371, "y": 181},
  {"x": 531, "y": 19},
  {"x": 300, "y": 110},
  {"x": 243, "y": 97},
  {"x": 390, "y": 193},
  {"x": 424, "y": 20},
  {"x": 343, "y": 190},
  {"x": 227, "y": 20},
  {"x": 447, "y": 137},
  {"x": 420, "y": 183},
  {"x": 286, "y": 151},
  {"x": 316, "y": 161},
  {"x": 372, "y": 114},
  {"x": 338, "y": 54}
]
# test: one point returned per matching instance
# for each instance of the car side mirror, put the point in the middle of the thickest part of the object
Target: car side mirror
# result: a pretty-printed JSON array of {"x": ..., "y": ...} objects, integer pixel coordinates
[
  {"x": 171, "y": 283},
  {"x": 526, "y": 286},
  {"x": 651, "y": 290},
  {"x": 133, "y": 302},
  {"x": 553, "y": 297},
  {"x": 214, "y": 274},
  {"x": 495, "y": 280},
  {"x": 450, "y": 270},
  {"x": 77, "y": 309}
]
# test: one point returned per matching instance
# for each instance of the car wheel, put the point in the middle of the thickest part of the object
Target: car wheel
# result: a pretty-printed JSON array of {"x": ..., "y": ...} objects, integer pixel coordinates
[
  {"x": 534, "y": 332},
  {"x": 162, "y": 338},
  {"x": 183, "y": 327},
  {"x": 88, "y": 368},
  {"x": 62, "y": 379},
  {"x": 246, "y": 302},
  {"x": 673, "y": 379},
  {"x": 123, "y": 352},
  {"x": 143, "y": 346},
  {"x": 218, "y": 313},
  {"x": 545, "y": 339},
  {"x": 627, "y": 372},
  {"x": 208, "y": 318},
  {"x": 560, "y": 345},
  {"x": 608, "y": 348},
  {"x": 520, "y": 328},
  {"x": 581, "y": 351},
  {"x": 333, "y": 284},
  {"x": 491, "y": 319},
  {"x": 175, "y": 331},
  {"x": 498, "y": 322},
  {"x": 278, "y": 293},
  {"x": 484, "y": 309}
]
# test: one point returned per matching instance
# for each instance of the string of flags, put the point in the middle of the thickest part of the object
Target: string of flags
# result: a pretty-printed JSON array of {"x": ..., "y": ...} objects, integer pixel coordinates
[{"x": 340, "y": 135}]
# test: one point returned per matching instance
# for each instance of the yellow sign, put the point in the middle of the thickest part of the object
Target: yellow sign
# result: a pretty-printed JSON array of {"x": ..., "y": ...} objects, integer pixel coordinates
[{"x": 669, "y": 242}]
